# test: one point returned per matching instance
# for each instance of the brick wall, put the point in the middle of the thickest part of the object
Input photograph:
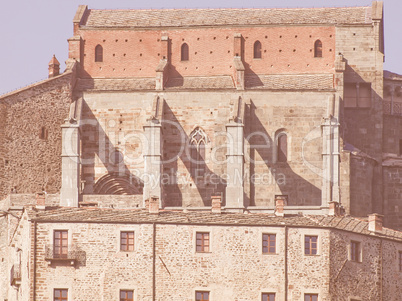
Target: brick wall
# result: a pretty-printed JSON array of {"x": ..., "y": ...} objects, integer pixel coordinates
[{"x": 136, "y": 53}]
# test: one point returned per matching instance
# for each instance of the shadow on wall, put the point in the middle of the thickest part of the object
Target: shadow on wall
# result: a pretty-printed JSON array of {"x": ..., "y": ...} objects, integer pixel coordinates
[
  {"x": 191, "y": 188},
  {"x": 118, "y": 180},
  {"x": 284, "y": 180},
  {"x": 362, "y": 111}
]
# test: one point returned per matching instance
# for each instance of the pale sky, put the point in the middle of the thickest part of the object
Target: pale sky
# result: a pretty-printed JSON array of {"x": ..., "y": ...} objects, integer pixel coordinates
[{"x": 32, "y": 31}]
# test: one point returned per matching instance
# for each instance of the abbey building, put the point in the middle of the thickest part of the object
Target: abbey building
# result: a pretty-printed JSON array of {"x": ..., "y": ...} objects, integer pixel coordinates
[{"x": 207, "y": 154}]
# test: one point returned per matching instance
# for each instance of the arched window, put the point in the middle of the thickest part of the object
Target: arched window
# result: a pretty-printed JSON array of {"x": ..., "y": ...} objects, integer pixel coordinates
[
  {"x": 197, "y": 144},
  {"x": 184, "y": 52},
  {"x": 98, "y": 53},
  {"x": 282, "y": 147},
  {"x": 257, "y": 50},
  {"x": 318, "y": 49}
]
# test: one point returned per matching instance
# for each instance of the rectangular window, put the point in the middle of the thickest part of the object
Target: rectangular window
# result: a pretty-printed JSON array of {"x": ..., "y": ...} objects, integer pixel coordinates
[
  {"x": 268, "y": 297},
  {"x": 201, "y": 296},
  {"x": 400, "y": 261},
  {"x": 357, "y": 95},
  {"x": 126, "y": 295},
  {"x": 202, "y": 244},
  {"x": 60, "y": 294},
  {"x": 355, "y": 251},
  {"x": 310, "y": 297},
  {"x": 127, "y": 241},
  {"x": 310, "y": 245},
  {"x": 269, "y": 243},
  {"x": 60, "y": 244}
]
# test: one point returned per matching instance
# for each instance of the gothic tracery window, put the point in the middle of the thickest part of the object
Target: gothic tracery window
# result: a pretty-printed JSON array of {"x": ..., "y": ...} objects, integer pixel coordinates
[{"x": 197, "y": 143}]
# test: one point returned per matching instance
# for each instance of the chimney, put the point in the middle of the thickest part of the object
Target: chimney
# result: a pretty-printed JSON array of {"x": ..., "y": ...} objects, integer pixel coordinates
[
  {"x": 40, "y": 200},
  {"x": 334, "y": 209},
  {"x": 153, "y": 205},
  {"x": 216, "y": 204},
  {"x": 280, "y": 201},
  {"x": 375, "y": 222},
  {"x": 54, "y": 67}
]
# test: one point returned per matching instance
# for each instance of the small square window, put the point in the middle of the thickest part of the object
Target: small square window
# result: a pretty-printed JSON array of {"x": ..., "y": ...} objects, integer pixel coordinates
[
  {"x": 126, "y": 295},
  {"x": 201, "y": 296},
  {"x": 269, "y": 243},
  {"x": 127, "y": 241},
  {"x": 60, "y": 294},
  {"x": 202, "y": 243},
  {"x": 355, "y": 251},
  {"x": 310, "y": 297},
  {"x": 310, "y": 245},
  {"x": 268, "y": 297}
]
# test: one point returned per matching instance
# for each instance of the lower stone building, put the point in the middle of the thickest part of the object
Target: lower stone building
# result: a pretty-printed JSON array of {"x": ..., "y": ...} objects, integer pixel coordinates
[{"x": 151, "y": 254}]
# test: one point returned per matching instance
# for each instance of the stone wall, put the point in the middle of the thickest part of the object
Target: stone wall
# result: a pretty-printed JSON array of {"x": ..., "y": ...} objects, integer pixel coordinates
[
  {"x": 227, "y": 271},
  {"x": 392, "y": 135},
  {"x": 113, "y": 124},
  {"x": 361, "y": 185},
  {"x": 392, "y": 196},
  {"x": 31, "y": 135},
  {"x": 234, "y": 267},
  {"x": 363, "y": 127},
  {"x": 374, "y": 277}
]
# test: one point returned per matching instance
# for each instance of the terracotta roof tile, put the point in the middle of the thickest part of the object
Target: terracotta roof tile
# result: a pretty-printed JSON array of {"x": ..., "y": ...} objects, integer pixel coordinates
[
  {"x": 290, "y": 81},
  {"x": 216, "y": 17},
  {"x": 82, "y": 215},
  {"x": 198, "y": 82},
  {"x": 111, "y": 84}
]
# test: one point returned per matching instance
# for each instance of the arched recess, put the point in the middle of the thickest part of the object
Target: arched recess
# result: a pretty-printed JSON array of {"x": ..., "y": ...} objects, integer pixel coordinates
[
  {"x": 98, "y": 53},
  {"x": 184, "y": 52},
  {"x": 113, "y": 183},
  {"x": 282, "y": 146},
  {"x": 318, "y": 48},
  {"x": 257, "y": 50}
]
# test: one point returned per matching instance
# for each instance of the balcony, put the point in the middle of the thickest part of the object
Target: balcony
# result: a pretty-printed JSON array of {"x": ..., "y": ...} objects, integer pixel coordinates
[
  {"x": 15, "y": 275},
  {"x": 392, "y": 108},
  {"x": 70, "y": 255}
]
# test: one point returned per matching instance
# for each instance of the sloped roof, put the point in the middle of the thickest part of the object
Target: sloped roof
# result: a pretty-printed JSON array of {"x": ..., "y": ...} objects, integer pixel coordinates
[
  {"x": 290, "y": 81},
  {"x": 137, "y": 216},
  {"x": 218, "y": 17}
]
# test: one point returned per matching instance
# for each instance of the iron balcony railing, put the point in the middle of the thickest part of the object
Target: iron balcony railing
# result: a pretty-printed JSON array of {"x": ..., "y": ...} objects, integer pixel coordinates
[
  {"x": 15, "y": 274},
  {"x": 71, "y": 253}
]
